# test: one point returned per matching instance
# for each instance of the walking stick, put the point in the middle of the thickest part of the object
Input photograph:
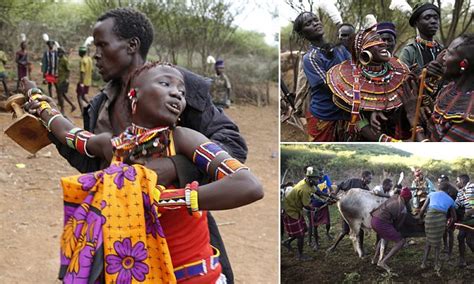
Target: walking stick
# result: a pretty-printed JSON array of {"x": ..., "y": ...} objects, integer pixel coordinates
[{"x": 418, "y": 103}]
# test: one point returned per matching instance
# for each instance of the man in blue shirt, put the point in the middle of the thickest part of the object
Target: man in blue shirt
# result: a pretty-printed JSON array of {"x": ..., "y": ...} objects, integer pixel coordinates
[{"x": 325, "y": 121}]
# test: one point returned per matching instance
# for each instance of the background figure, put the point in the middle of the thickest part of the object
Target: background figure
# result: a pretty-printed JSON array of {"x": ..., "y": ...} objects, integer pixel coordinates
[
  {"x": 424, "y": 49},
  {"x": 387, "y": 32},
  {"x": 21, "y": 60},
  {"x": 63, "y": 81},
  {"x": 220, "y": 86},
  {"x": 3, "y": 73},
  {"x": 85, "y": 78},
  {"x": 49, "y": 67},
  {"x": 344, "y": 33}
]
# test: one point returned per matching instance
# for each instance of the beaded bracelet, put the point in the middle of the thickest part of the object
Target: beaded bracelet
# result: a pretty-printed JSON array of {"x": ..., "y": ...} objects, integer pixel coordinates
[
  {"x": 191, "y": 198},
  {"x": 50, "y": 121}
]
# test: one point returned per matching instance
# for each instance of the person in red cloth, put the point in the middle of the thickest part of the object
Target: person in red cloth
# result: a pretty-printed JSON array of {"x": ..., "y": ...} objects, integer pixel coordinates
[
  {"x": 49, "y": 67},
  {"x": 157, "y": 98}
]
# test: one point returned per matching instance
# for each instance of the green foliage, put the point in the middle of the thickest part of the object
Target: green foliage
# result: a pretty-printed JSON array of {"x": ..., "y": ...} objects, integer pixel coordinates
[{"x": 455, "y": 20}]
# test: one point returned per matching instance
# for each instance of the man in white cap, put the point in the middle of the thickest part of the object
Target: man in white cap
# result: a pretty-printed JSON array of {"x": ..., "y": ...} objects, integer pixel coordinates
[{"x": 293, "y": 205}]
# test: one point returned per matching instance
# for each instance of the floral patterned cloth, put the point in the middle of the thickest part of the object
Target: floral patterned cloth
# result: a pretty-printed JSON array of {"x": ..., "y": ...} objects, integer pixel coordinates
[{"x": 111, "y": 231}]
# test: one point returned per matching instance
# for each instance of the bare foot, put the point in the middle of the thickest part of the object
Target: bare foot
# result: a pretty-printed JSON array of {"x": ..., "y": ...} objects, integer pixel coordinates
[{"x": 384, "y": 266}]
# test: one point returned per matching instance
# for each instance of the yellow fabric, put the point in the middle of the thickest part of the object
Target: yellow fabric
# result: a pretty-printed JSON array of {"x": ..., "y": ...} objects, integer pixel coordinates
[
  {"x": 298, "y": 197},
  {"x": 86, "y": 68},
  {"x": 122, "y": 206}
]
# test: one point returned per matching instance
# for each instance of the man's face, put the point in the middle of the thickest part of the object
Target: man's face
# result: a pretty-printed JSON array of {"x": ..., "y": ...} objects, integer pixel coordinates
[
  {"x": 312, "y": 27},
  {"x": 344, "y": 34},
  {"x": 459, "y": 183},
  {"x": 219, "y": 70},
  {"x": 388, "y": 187},
  {"x": 428, "y": 22},
  {"x": 367, "y": 179},
  {"x": 112, "y": 55},
  {"x": 389, "y": 40}
]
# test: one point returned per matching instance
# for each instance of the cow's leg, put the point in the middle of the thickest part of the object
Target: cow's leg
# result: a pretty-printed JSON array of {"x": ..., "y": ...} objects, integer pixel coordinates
[
  {"x": 355, "y": 236},
  {"x": 358, "y": 238},
  {"x": 345, "y": 231},
  {"x": 361, "y": 241}
]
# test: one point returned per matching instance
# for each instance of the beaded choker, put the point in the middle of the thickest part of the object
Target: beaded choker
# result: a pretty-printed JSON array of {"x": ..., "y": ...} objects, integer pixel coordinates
[
  {"x": 425, "y": 42},
  {"x": 139, "y": 141},
  {"x": 382, "y": 76}
]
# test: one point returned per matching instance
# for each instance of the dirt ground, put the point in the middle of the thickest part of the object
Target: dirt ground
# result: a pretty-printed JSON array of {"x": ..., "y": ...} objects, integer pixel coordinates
[
  {"x": 31, "y": 205},
  {"x": 344, "y": 266}
]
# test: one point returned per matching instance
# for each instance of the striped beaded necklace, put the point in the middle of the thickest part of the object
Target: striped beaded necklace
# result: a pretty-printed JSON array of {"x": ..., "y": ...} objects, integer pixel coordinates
[{"x": 139, "y": 141}]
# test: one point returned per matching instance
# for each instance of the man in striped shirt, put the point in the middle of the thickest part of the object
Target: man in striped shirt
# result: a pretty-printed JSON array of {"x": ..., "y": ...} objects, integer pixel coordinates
[{"x": 465, "y": 204}]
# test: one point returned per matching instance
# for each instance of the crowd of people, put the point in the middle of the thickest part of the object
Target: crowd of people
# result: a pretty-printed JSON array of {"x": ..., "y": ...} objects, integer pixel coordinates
[
  {"x": 439, "y": 208},
  {"x": 358, "y": 90},
  {"x": 155, "y": 155}
]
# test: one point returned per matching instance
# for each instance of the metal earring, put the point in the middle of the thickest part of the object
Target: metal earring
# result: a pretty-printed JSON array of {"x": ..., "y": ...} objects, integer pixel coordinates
[
  {"x": 134, "y": 105},
  {"x": 365, "y": 61}
]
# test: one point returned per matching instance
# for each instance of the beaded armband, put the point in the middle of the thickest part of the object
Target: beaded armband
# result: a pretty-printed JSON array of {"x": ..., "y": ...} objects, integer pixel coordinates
[
  {"x": 210, "y": 158},
  {"x": 77, "y": 139}
]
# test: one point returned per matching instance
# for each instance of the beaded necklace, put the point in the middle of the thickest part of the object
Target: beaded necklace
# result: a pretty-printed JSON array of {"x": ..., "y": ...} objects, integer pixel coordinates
[
  {"x": 139, "y": 141},
  {"x": 380, "y": 77},
  {"x": 427, "y": 43}
]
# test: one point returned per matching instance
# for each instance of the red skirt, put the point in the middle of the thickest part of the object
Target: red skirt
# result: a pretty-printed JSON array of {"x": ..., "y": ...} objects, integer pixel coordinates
[
  {"x": 50, "y": 78},
  {"x": 294, "y": 227}
]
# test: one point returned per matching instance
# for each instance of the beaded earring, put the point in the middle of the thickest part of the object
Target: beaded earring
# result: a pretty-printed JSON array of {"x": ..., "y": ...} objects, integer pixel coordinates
[
  {"x": 463, "y": 65},
  {"x": 132, "y": 96}
]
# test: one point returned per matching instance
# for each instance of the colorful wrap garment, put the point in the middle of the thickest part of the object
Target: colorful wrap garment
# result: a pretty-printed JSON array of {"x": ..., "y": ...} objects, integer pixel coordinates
[
  {"x": 453, "y": 116},
  {"x": 112, "y": 226}
]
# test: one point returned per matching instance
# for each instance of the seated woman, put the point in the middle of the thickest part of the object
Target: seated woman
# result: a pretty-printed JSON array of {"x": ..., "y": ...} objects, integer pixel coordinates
[
  {"x": 452, "y": 118},
  {"x": 369, "y": 87},
  {"x": 120, "y": 226}
]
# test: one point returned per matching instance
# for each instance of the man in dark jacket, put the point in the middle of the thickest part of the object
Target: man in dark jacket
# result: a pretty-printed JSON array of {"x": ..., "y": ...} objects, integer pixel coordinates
[
  {"x": 345, "y": 186},
  {"x": 123, "y": 38}
]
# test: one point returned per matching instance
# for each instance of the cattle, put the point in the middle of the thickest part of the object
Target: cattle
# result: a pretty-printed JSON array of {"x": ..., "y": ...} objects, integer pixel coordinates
[{"x": 355, "y": 207}]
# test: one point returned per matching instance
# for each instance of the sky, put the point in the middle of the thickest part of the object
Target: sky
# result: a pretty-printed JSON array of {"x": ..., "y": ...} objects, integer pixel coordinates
[
  {"x": 439, "y": 151},
  {"x": 256, "y": 16}
]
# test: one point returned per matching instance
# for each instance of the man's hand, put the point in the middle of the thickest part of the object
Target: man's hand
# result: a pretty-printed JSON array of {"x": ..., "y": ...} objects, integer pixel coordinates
[
  {"x": 31, "y": 107},
  {"x": 409, "y": 98},
  {"x": 165, "y": 170},
  {"x": 375, "y": 118},
  {"x": 434, "y": 69}
]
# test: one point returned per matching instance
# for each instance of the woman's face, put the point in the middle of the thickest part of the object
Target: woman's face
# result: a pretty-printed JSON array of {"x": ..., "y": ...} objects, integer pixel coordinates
[
  {"x": 451, "y": 60},
  {"x": 380, "y": 53},
  {"x": 160, "y": 97},
  {"x": 312, "y": 27}
]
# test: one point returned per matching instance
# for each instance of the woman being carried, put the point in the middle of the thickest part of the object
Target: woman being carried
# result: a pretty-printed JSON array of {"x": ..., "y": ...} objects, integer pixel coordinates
[
  {"x": 120, "y": 226},
  {"x": 368, "y": 87}
]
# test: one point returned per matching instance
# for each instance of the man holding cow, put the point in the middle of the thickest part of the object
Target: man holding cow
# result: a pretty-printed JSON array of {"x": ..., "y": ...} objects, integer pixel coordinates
[{"x": 293, "y": 204}]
